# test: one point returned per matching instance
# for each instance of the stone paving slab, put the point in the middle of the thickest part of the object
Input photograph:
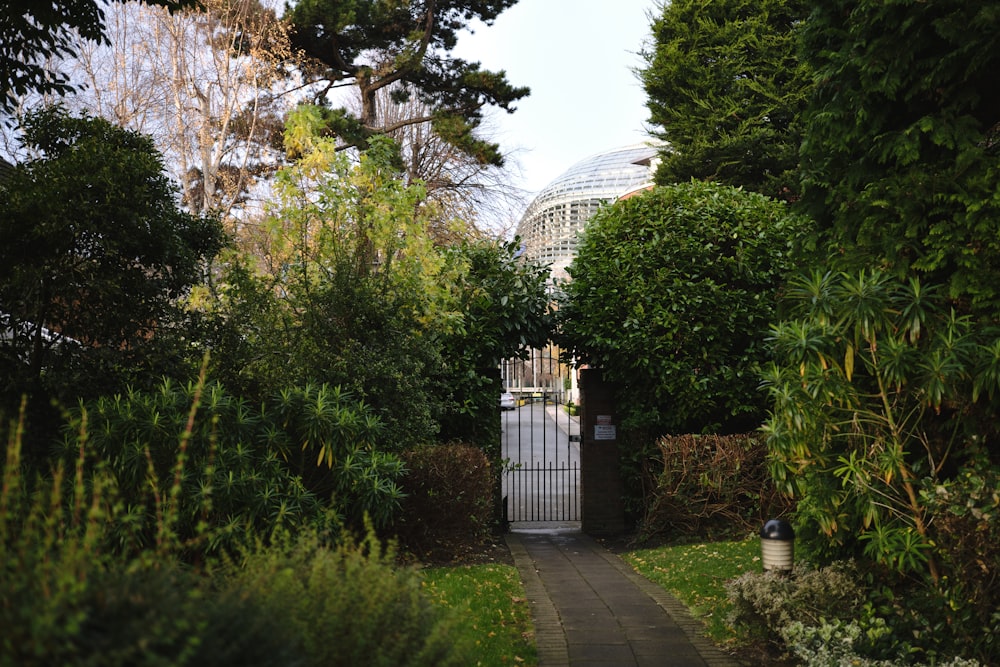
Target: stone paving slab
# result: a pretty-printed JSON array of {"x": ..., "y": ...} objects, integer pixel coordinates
[{"x": 590, "y": 608}]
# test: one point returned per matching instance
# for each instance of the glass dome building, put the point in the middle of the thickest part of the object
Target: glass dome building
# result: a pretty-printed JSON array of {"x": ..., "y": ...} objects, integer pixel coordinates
[{"x": 552, "y": 222}]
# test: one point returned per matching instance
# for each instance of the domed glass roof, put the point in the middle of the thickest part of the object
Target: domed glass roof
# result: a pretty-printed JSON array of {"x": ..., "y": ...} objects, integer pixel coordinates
[{"x": 552, "y": 222}]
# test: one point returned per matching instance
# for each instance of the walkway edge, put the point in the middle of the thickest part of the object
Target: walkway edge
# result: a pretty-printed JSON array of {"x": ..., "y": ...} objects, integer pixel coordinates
[
  {"x": 692, "y": 627},
  {"x": 550, "y": 639}
]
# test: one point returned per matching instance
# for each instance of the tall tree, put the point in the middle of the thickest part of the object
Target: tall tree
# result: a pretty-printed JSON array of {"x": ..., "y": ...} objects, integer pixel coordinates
[
  {"x": 901, "y": 155},
  {"x": 204, "y": 83},
  {"x": 470, "y": 198},
  {"x": 726, "y": 88},
  {"x": 349, "y": 288},
  {"x": 403, "y": 46},
  {"x": 32, "y": 33},
  {"x": 345, "y": 286}
]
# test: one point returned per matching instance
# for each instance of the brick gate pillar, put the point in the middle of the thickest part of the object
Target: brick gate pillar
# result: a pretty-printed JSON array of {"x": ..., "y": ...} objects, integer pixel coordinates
[{"x": 603, "y": 510}]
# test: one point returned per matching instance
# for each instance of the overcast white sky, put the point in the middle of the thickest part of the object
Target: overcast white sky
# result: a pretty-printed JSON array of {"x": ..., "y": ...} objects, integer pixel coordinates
[{"x": 578, "y": 57}]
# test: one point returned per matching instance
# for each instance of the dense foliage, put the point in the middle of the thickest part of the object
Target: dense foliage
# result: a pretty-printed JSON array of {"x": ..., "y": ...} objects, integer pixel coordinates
[
  {"x": 448, "y": 505},
  {"x": 883, "y": 427},
  {"x": 402, "y": 48},
  {"x": 304, "y": 596},
  {"x": 355, "y": 293},
  {"x": 836, "y": 615},
  {"x": 95, "y": 259},
  {"x": 671, "y": 295},
  {"x": 305, "y": 458},
  {"x": 725, "y": 89},
  {"x": 504, "y": 304},
  {"x": 900, "y": 156}
]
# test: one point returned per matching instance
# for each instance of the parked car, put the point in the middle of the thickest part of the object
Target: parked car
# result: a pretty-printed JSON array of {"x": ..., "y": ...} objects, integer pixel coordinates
[{"x": 507, "y": 401}]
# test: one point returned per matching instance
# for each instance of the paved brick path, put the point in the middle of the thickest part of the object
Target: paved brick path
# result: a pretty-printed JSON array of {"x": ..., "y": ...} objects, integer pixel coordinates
[{"x": 590, "y": 608}]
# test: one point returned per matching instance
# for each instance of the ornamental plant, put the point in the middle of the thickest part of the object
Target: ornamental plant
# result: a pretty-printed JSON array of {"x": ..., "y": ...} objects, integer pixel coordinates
[
  {"x": 671, "y": 295},
  {"x": 220, "y": 470},
  {"x": 882, "y": 426}
]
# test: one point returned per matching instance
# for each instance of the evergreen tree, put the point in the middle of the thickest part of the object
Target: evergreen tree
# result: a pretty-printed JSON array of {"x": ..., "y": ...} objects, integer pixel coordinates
[
  {"x": 900, "y": 158},
  {"x": 726, "y": 88},
  {"x": 403, "y": 47}
]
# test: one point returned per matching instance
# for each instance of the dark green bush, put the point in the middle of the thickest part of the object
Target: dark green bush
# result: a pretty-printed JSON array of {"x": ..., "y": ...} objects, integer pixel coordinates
[
  {"x": 349, "y": 605},
  {"x": 329, "y": 438},
  {"x": 671, "y": 295},
  {"x": 229, "y": 471},
  {"x": 195, "y": 457},
  {"x": 65, "y": 599},
  {"x": 154, "y": 613},
  {"x": 967, "y": 532},
  {"x": 449, "y": 500}
]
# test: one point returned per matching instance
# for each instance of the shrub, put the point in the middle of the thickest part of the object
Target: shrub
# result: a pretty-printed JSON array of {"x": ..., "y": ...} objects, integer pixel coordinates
[
  {"x": 884, "y": 428},
  {"x": 156, "y": 613},
  {"x": 329, "y": 439},
  {"x": 449, "y": 500},
  {"x": 827, "y": 618},
  {"x": 843, "y": 644},
  {"x": 671, "y": 295},
  {"x": 350, "y": 604},
  {"x": 305, "y": 458},
  {"x": 193, "y": 455},
  {"x": 711, "y": 484},
  {"x": 66, "y": 600},
  {"x": 764, "y": 603},
  {"x": 967, "y": 533}
]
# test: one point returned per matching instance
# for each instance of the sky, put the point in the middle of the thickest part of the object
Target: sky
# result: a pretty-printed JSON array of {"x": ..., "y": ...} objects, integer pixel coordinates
[{"x": 578, "y": 57}]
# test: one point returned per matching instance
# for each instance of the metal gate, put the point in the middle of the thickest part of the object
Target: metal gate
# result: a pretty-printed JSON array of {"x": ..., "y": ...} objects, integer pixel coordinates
[{"x": 540, "y": 440}]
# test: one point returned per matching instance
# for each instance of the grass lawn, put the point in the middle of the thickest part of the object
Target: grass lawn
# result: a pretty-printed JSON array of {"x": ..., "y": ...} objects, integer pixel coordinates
[
  {"x": 696, "y": 575},
  {"x": 494, "y": 614}
]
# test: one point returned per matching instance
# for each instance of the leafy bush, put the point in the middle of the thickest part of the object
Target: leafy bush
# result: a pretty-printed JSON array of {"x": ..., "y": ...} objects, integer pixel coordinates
[
  {"x": 711, "y": 484},
  {"x": 899, "y": 152},
  {"x": 503, "y": 303},
  {"x": 966, "y": 509},
  {"x": 884, "y": 427},
  {"x": 305, "y": 459},
  {"x": 843, "y": 644},
  {"x": 194, "y": 456},
  {"x": 837, "y": 615},
  {"x": 874, "y": 400},
  {"x": 349, "y": 605},
  {"x": 83, "y": 287},
  {"x": 67, "y": 600},
  {"x": 671, "y": 296},
  {"x": 156, "y": 613},
  {"x": 329, "y": 439},
  {"x": 449, "y": 499},
  {"x": 765, "y": 602}
]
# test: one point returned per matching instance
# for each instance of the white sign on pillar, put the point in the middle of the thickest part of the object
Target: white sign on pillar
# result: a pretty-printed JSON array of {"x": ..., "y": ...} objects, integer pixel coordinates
[{"x": 604, "y": 429}]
